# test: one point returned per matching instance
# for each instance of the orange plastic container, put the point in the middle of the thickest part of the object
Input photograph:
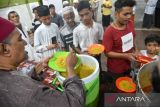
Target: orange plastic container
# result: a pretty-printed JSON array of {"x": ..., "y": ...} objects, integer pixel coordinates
[
  {"x": 125, "y": 85},
  {"x": 96, "y": 49}
]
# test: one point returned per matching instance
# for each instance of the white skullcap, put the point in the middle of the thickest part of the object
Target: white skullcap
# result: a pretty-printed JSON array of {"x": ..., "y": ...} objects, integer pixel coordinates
[
  {"x": 65, "y": 2},
  {"x": 67, "y": 9},
  {"x": 75, "y": 1}
]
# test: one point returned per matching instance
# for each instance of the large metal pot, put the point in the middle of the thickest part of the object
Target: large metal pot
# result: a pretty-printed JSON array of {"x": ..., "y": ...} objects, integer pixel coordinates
[{"x": 144, "y": 80}]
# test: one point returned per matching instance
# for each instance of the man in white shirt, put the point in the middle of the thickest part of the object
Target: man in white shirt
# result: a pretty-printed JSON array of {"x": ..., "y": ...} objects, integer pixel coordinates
[
  {"x": 15, "y": 18},
  {"x": 46, "y": 34},
  {"x": 88, "y": 32}
]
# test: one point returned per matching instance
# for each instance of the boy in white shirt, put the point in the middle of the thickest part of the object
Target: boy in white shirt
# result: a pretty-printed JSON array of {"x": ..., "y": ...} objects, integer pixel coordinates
[
  {"x": 46, "y": 33},
  {"x": 87, "y": 32}
]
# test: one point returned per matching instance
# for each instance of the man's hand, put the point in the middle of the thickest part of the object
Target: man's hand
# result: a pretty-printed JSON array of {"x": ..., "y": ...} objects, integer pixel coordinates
[
  {"x": 71, "y": 62},
  {"x": 130, "y": 56},
  {"x": 42, "y": 66},
  {"x": 52, "y": 46}
]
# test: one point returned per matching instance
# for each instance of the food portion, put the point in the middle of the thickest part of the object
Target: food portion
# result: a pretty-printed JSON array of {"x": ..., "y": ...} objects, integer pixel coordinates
[
  {"x": 58, "y": 61},
  {"x": 96, "y": 49},
  {"x": 125, "y": 85},
  {"x": 61, "y": 62},
  {"x": 82, "y": 71},
  {"x": 147, "y": 89}
]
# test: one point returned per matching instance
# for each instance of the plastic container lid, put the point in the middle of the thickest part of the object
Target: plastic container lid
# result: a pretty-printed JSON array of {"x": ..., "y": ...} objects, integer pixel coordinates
[{"x": 60, "y": 57}]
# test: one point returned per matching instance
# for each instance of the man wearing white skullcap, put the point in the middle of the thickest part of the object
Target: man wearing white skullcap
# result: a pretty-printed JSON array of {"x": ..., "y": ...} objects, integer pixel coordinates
[
  {"x": 67, "y": 30},
  {"x": 67, "y": 9},
  {"x": 75, "y": 1},
  {"x": 65, "y": 3}
]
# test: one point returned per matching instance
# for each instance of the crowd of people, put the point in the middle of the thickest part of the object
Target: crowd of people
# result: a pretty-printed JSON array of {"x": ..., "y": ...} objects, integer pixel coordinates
[{"x": 74, "y": 27}]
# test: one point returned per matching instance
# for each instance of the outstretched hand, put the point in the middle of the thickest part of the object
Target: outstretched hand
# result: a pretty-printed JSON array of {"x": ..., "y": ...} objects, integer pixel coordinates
[
  {"x": 42, "y": 65},
  {"x": 71, "y": 62}
]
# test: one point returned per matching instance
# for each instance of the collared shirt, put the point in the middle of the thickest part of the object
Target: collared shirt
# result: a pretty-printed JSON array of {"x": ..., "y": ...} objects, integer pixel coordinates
[
  {"x": 67, "y": 35},
  {"x": 84, "y": 36},
  {"x": 43, "y": 38},
  {"x": 57, "y": 19}
]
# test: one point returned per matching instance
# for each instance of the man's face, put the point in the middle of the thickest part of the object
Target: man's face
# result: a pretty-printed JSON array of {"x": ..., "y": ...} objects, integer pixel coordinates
[
  {"x": 124, "y": 15},
  {"x": 151, "y": 47},
  {"x": 69, "y": 18},
  {"x": 46, "y": 20},
  {"x": 17, "y": 46},
  {"x": 14, "y": 18},
  {"x": 36, "y": 14},
  {"x": 52, "y": 11},
  {"x": 85, "y": 16},
  {"x": 75, "y": 5}
]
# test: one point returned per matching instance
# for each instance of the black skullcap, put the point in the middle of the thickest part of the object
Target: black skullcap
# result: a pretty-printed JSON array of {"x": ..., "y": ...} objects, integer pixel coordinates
[
  {"x": 43, "y": 11},
  {"x": 51, "y": 6},
  {"x": 83, "y": 5}
]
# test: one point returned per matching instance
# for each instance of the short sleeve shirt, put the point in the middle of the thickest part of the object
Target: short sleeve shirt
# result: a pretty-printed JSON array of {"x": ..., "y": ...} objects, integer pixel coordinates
[
  {"x": 84, "y": 36},
  {"x": 120, "y": 41}
]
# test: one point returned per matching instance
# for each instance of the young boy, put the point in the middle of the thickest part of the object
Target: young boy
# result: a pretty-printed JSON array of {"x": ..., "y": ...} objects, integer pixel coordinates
[
  {"x": 87, "y": 32},
  {"x": 151, "y": 44},
  {"x": 47, "y": 36},
  {"x": 119, "y": 43}
]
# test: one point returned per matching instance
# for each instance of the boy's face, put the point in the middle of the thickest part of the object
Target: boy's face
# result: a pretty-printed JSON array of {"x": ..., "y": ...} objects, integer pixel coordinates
[
  {"x": 124, "y": 15},
  {"x": 86, "y": 16},
  {"x": 52, "y": 11},
  {"x": 46, "y": 20},
  {"x": 151, "y": 47}
]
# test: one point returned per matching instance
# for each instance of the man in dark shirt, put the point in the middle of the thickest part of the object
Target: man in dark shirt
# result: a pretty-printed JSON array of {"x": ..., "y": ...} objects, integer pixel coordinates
[{"x": 55, "y": 17}]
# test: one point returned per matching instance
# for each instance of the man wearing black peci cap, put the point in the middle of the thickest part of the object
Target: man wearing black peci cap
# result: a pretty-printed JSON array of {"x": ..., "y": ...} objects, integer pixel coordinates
[{"x": 45, "y": 33}]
